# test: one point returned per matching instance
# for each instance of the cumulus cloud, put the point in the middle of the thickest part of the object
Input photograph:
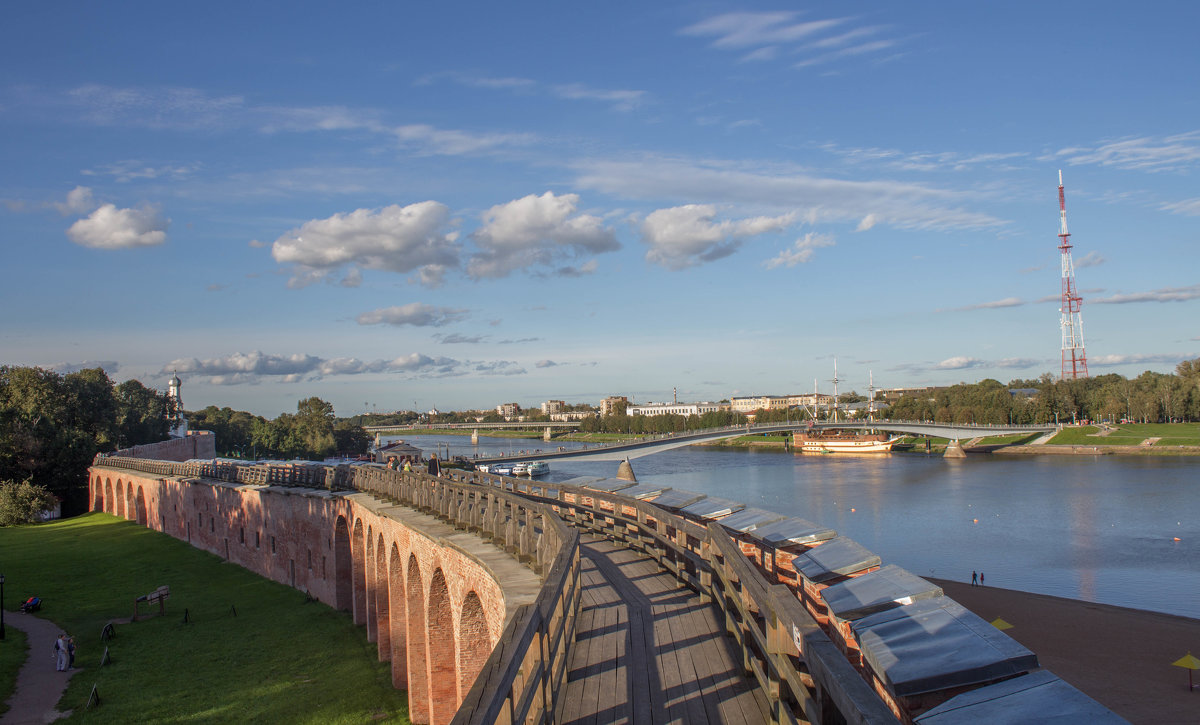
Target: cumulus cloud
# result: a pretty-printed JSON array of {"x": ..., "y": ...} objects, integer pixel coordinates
[
  {"x": 79, "y": 201},
  {"x": 64, "y": 368},
  {"x": 1166, "y": 294},
  {"x": 684, "y": 236},
  {"x": 396, "y": 239},
  {"x": 959, "y": 363},
  {"x": 536, "y": 231},
  {"x": 416, "y": 314},
  {"x": 111, "y": 228},
  {"x": 801, "y": 251}
]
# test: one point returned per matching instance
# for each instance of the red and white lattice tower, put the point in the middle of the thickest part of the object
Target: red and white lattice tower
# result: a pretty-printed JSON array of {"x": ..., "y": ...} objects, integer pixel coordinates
[{"x": 1074, "y": 359}]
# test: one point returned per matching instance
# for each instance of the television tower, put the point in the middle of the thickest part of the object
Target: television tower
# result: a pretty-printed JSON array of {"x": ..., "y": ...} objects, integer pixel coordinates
[{"x": 1074, "y": 359}]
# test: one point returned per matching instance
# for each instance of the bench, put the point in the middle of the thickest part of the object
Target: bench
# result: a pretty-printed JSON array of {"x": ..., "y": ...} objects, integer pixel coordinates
[{"x": 158, "y": 595}]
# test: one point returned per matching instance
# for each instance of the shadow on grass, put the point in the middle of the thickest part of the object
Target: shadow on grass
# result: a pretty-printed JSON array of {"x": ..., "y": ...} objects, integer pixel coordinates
[{"x": 278, "y": 660}]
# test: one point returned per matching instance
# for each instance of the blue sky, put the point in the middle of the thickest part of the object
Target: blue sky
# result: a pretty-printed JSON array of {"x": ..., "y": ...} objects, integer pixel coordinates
[{"x": 464, "y": 204}]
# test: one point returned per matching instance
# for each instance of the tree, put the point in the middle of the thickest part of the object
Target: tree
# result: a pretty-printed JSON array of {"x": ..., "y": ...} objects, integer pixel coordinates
[
  {"x": 140, "y": 414},
  {"x": 23, "y": 503}
]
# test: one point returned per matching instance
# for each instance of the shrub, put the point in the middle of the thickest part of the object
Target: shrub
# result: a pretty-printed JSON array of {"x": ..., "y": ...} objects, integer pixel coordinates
[{"x": 23, "y": 503}]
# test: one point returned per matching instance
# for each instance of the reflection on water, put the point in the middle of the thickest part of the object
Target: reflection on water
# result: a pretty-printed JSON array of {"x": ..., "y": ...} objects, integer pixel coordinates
[{"x": 1098, "y": 528}]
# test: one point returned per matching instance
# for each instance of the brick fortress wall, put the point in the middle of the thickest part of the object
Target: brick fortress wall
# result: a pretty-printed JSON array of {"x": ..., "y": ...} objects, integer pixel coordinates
[{"x": 434, "y": 612}]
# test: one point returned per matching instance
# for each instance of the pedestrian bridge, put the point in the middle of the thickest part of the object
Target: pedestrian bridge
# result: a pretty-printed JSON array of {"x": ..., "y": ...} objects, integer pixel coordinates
[
  {"x": 648, "y": 604},
  {"x": 656, "y": 444}
]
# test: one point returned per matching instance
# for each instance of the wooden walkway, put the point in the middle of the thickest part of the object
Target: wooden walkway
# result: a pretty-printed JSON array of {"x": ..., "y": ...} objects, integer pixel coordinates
[{"x": 648, "y": 651}]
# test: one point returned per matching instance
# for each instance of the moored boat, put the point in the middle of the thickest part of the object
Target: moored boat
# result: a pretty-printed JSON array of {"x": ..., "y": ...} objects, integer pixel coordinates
[{"x": 843, "y": 442}]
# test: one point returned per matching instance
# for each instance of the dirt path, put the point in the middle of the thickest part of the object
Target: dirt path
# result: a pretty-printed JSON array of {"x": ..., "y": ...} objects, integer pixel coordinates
[
  {"x": 1121, "y": 657},
  {"x": 39, "y": 685}
]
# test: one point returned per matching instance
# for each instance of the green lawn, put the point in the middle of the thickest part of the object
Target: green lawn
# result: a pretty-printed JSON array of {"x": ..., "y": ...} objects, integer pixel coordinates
[
  {"x": 1016, "y": 439},
  {"x": 277, "y": 660},
  {"x": 1131, "y": 434},
  {"x": 12, "y": 653}
]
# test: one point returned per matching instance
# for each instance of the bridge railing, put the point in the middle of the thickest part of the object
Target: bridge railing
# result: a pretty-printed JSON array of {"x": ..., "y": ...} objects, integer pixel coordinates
[
  {"x": 802, "y": 672},
  {"x": 525, "y": 674}
]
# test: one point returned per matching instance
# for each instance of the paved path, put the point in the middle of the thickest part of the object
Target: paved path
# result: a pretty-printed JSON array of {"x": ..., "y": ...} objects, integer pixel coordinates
[
  {"x": 39, "y": 686},
  {"x": 648, "y": 651}
]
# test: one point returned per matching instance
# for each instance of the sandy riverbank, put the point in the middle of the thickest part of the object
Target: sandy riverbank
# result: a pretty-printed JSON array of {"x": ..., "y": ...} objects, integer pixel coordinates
[{"x": 1120, "y": 657}]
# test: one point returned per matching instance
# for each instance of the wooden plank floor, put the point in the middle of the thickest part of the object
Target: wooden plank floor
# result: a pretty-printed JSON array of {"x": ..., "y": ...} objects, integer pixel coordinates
[{"x": 648, "y": 651}]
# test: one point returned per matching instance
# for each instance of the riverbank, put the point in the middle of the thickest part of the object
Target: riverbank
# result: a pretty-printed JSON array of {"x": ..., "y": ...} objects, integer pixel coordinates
[
  {"x": 1120, "y": 657},
  {"x": 1076, "y": 450}
]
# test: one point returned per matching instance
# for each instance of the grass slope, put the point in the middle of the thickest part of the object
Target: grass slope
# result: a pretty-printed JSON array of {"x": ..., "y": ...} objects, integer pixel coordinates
[
  {"x": 13, "y": 649},
  {"x": 278, "y": 660},
  {"x": 1131, "y": 434}
]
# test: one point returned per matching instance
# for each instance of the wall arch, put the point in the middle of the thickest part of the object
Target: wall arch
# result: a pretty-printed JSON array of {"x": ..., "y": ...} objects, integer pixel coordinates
[
  {"x": 418, "y": 672},
  {"x": 98, "y": 495},
  {"x": 382, "y": 622},
  {"x": 443, "y": 652},
  {"x": 128, "y": 500},
  {"x": 369, "y": 571},
  {"x": 398, "y": 622},
  {"x": 358, "y": 558},
  {"x": 109, "y": 504},
  {"x": 119, "y": 510},
  {"x": 475, "y": 641},
  {"x": 140, "y": 508},
  {"x": 343, "y": 585}
]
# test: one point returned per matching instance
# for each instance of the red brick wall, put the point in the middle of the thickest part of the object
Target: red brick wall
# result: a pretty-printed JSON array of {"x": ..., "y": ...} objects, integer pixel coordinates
[{"x": 415, "y": 591}]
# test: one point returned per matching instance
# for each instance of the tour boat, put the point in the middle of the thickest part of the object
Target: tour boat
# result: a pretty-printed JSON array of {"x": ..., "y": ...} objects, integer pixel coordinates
[
  {"x": 536, "y": 468},
  {"x": 843, "y": 442}
]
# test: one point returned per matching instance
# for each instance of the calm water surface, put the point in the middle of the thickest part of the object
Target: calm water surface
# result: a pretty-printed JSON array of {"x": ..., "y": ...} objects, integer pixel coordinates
[{"x": 1097, "y": 528}]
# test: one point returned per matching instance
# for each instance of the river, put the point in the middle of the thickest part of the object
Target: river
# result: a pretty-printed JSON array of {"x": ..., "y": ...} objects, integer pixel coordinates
[{"x": 1121, "y": 530}]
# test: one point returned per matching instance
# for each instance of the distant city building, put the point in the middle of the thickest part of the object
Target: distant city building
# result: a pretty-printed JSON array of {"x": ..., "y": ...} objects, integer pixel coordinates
[
  {"x": 573, "y": 415},
  {"x": 508, "y": 410},
  {"x": 550, "y": 407},
  {"x": 752, "y": 403},
  {"x": 651, "y": 409},
  {"x": 608, "y": 406}
]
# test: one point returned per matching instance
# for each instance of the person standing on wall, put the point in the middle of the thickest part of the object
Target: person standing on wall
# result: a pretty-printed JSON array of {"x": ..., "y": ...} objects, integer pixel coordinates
[{"x": 435, "y": 468}]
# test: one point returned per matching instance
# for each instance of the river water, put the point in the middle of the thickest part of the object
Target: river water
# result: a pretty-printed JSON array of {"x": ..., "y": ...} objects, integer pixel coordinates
[{"x": 1096, "y": 528}]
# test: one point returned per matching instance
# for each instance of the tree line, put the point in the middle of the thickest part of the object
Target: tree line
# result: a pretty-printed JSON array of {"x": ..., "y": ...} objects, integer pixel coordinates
[{"x": 312, "y": 433}]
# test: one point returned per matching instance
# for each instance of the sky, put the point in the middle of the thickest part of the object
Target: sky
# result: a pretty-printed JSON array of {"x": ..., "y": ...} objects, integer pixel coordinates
[{"x": 455, "y": 205}]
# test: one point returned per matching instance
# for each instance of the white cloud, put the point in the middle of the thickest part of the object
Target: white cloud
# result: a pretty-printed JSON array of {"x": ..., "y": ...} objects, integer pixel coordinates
[
  {"x": 158, "y": 108},
  {"x": 547, "y": 364},
  {"x": 111, "y": 228},
  {"x": 621, "y": 100},
  {"x": 903, "y": 205},
  {"x": 536, "y": 231},
  {"x": 801, "y": 251},
  {"x": 1136, "y": 359},
  {"x": 994, "y": 305},
  {"x": 1166, "y": 294},
  {"x": 1145, "y": 153},
  {"x": 1190, "y": 207},
  {"x": 750, "y": 29},
  {"x": 867, "y": 222},
  {"x": 254, "y": 367},
  {"x": 453, "y": 142},
  {"x": 63, "y": 368},
  {"x": 1091, "y": 259},
  {"x": 395, "y": 238},
  {"x": 959, "y": 363},
  {"x": 79, "y": 201},
  {"x": 684, "y": 236},
  {"x": 414, "y": 313},
  {"x": 132, "y": 170}
]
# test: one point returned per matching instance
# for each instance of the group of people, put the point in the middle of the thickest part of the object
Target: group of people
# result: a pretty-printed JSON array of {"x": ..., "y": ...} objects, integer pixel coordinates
[
  {"x": 64, "y": 652},
  {"x": 976, "y": 579}
]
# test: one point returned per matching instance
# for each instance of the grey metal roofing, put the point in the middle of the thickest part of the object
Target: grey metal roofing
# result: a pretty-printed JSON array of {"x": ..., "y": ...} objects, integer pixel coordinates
[
  {"x": 643, "y": 491},
  {"x": 792, "y": 530},
  {"x": 711, "y": 507},
  {"x": 1036, "y": 697},
  {"x": 936, "y": 644},
  {"x": 676, "y": 498},
  {"x": 750, "y": 518},
  {"x": 834, "y": 558},
  {"x": 889, "y": 587},
  {"x": 609, "y": 484}
]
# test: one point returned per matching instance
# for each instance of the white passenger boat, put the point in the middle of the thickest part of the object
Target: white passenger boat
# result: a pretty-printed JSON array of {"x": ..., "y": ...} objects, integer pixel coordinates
[{"x": 843, "y": 442}]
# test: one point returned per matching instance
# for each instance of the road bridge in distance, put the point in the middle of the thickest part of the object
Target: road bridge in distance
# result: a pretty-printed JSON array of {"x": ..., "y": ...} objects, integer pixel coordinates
[{"x": 622, "y": 450}]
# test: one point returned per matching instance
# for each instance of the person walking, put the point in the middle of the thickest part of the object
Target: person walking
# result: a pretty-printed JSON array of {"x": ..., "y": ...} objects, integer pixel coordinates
[
  {"x": 980, "y": 578},
  {"x": 435, "y": 468},
  {"x": 974, "y": 578},
  {"x": 70, "y": 653}
]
